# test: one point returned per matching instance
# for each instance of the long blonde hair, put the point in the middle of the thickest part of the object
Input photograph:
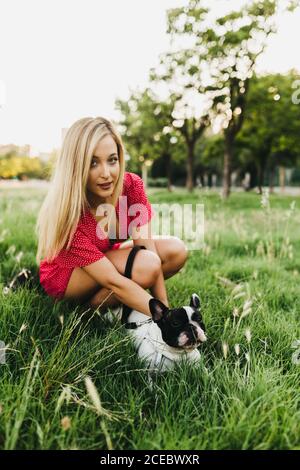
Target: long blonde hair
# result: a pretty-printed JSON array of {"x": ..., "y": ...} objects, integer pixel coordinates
[{"x": 66, "y": 199}]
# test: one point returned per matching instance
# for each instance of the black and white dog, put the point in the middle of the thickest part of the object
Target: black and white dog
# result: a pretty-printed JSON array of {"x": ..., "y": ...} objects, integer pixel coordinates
[{"x": 170, "y": 336}]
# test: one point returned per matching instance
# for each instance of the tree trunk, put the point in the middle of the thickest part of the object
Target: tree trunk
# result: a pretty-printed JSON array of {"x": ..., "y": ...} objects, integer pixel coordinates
[
  {"x": 282, "y": 178},
  {"x": 227, "y": 167},
  {"x": 260, "y": 177},
  {"x": 190, "y": 167}
]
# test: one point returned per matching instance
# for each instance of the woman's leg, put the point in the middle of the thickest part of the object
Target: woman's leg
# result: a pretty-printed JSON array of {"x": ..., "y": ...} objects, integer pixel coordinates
[
  {"x": 172, "y": 252},
  {"x": 83, "y": 288},
  {"x": 172, "y": 255}
]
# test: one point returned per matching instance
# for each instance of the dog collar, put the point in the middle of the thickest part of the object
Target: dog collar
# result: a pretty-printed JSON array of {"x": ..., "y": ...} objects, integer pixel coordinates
[{"x": 135, "y": 325}]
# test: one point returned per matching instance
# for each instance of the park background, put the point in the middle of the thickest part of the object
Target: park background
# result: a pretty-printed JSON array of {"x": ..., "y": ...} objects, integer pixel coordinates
[
  {"x": 196, "y": 95},
  {"x": 206, "y": 96}
]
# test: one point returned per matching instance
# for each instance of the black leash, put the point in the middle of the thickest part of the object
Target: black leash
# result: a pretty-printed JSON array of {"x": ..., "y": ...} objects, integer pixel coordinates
[{"x": 128, "y": 269}]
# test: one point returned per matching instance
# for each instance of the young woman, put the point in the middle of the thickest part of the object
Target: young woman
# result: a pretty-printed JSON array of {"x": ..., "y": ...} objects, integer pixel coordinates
[{"x": 86, "y": 218}]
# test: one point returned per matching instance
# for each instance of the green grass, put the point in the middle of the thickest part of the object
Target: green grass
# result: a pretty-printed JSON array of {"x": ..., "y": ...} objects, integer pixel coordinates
[{"x": 245, "y": 401}]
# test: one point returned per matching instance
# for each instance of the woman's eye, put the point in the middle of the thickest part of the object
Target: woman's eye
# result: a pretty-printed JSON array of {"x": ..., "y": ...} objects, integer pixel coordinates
[{"x": 112, "y": 161}]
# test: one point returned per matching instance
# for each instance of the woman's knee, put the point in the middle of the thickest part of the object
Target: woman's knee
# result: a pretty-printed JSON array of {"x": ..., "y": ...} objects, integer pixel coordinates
[
  {"x": 177, "y": 253},
  {"x": 146, "y": 268}
]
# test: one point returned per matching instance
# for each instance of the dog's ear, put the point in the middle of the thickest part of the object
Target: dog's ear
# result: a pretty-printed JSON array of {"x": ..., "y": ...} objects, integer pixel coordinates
[
  {"x": 157, "y": 309},
  {"x": 195, "y": 301}
]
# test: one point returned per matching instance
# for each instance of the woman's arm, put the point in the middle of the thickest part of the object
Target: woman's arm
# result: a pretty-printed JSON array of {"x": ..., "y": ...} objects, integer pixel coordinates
[
  {"x": 142, "y": 236},
  {"x": 127, "y": 291}
]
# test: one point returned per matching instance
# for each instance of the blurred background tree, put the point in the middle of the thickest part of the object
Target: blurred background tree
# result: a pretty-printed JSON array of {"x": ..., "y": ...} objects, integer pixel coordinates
[
  {"x": 219, "y": 62},
  {"x": 13, "y": 166},
  {"x": 271, "y": 126},
  {"x": 207, "y": 74},
  {"x": 148, "y": 134},
  {"x": 206, "y": 117}
]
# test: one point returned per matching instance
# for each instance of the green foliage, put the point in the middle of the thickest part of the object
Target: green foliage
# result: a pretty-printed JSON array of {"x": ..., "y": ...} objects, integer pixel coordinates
[
  {"x": 157, "y": 182},
  {"x": 212, "y": 152},
  {"x": 271, "y": 126},
  {"x": 146, "y": 126},
  {"x": 12, "y": 166},
  {"x": 218, "y": 64}
]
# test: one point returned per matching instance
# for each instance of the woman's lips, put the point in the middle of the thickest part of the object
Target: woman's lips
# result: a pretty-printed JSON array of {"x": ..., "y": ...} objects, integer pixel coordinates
[{"x": 104, "y": 186}]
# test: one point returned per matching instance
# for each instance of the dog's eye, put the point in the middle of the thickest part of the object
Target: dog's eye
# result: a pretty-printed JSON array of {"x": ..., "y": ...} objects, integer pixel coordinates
[
  {"x": 176, "y": 323},
  {"x": 197, "y": 317}
]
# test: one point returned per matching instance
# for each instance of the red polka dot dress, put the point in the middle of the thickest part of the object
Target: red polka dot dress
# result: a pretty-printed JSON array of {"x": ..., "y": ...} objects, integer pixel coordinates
[{"x": 89, "y": 243}]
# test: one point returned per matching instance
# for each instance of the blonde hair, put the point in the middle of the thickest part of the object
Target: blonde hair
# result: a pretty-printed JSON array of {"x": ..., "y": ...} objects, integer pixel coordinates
[{"x": 66, "y": 199}]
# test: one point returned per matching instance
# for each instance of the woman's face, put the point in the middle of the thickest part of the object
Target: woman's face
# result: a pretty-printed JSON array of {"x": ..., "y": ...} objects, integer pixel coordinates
[{"x": 104, "y": 171}]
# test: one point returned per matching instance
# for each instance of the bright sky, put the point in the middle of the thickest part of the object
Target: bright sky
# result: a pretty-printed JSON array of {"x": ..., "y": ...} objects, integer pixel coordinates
[{"x": 61, "y": 60}]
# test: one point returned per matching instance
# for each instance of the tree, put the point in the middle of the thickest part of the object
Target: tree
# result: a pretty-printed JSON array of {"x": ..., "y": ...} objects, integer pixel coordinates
[
  {"x": 271, "y": 127},
  {"x": 217, "y": 64},
  {"x": 15, "y": 166},
  {"x": 146, "y": 127},
  {"x": 212, "y": 153},
  {"x": 178, "y": 71}
]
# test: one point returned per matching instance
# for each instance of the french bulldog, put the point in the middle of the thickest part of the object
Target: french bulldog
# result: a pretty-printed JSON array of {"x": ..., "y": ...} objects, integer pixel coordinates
[{"x": 172, "y": 335}]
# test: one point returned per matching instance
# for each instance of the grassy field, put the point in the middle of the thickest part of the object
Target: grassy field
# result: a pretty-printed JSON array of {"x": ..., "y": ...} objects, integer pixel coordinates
[{"x": 244, "y": 394}]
